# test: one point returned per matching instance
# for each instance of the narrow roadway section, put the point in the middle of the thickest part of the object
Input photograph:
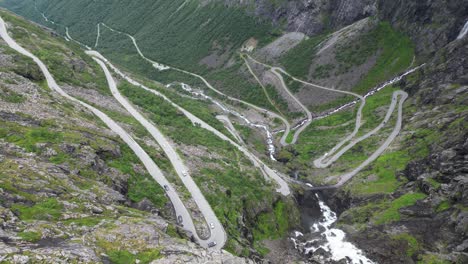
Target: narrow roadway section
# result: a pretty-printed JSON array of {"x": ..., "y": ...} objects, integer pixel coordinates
[
  {"x": 218, "y": 234},
  {"x": 149, "y": 164}
]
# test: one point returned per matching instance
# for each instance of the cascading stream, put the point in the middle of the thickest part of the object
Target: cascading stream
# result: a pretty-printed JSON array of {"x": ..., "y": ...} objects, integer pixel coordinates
[
  {"x": 329, "y": 239},
  {"x": 464, "y": 31},
  {"x": 270, "y": 143}
]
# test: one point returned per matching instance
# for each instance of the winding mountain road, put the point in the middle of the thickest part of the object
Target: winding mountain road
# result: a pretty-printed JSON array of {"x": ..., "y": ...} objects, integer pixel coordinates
[
  {"x": 318, "y": 162},
  {"x": 396, "y": 130},
  {"x": 304, "y": 108},
  {"x": 332, "y": 158},
  {"x": 149, "y": 164},
  {"x": 218, "y": 234},
  {"x": 267, "y": 171},
  {"x": 261, "y": 110}
]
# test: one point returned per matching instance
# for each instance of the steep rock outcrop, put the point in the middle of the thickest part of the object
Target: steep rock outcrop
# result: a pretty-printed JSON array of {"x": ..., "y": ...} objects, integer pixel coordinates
[{"x": 309, "y": 17}]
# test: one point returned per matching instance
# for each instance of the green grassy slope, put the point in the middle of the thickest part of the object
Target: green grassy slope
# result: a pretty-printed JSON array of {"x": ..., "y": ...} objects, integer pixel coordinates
[{"x": 181, "y": 38}]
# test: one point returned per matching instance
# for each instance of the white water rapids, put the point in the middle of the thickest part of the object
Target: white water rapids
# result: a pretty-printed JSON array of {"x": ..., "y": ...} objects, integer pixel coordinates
[{"x": 331, "y": 240}]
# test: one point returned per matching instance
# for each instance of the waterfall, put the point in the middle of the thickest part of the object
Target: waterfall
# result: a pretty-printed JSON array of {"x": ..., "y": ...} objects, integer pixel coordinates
[
  {"x": 463, "y": 31},
  {"x": 329, "y": 239}
]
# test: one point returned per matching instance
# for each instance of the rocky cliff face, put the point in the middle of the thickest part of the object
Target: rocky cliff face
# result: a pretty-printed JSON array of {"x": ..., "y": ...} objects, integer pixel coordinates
[
  {"x": 430, "y": 24},
  {"x": 310, "y": 17}
]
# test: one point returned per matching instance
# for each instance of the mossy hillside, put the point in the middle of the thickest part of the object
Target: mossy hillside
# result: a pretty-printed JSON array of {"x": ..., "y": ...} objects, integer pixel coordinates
[
  {"x": 380, "y": 211},
  {"x": 396, "y": 52},
  {"x": 10, "y": 96},
  {"x": 66, "y": 61},
  {"x": 32, "y": 140}
]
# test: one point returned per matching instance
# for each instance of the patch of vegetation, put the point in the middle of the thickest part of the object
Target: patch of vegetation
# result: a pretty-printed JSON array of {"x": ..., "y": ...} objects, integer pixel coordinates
[
  {"x": 28, "y": 138},
  {"x": 30, "y": 236},
  {"x": 86, "y": 221},
  {"x": 126, "y": 257},
  {"x": 431, "y": 259},
  {"x": 293, "y": 85},
  {"x": 24, "y": 66},
  {"x": 297, "y": 61},
  {"x": 49, "y": 209},
  {"x": 323, "y": 71},
  {"x": 444, "y": 205},
  {"x": 199, "y": 108},
  {"x": 171, "y": 121},
  {"x": 171, "y": 230},
  {"x": 10, "y": 96},
  {"x": 412, "y": 244},
  {"x": 139, "y": 186},
  {"x": 396, "y": 53},
  {"x": 290, "y": 137},
  {"x": 272, "y": 225},
  {"x": 383, "y": 169},
  {"x": 435, "y": 184},
  {"x": 361, "y": 215},
  {"x": 392, "y": 213}
]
